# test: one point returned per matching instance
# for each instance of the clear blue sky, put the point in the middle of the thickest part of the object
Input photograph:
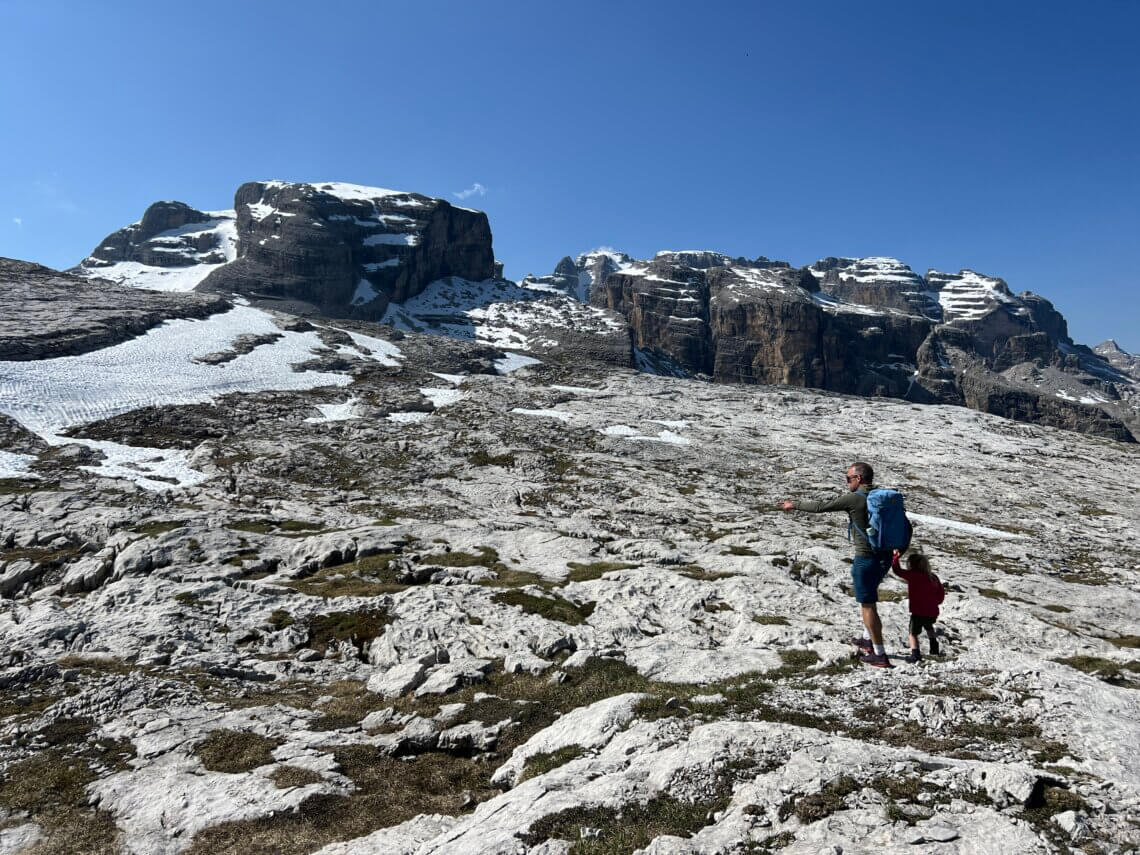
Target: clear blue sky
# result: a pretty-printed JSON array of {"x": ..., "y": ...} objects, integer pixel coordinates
[{"x": 1004, "y": 137}]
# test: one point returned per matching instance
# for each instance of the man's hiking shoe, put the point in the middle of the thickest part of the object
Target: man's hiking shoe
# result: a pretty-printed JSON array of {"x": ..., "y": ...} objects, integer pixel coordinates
[
  {"x": 863, "y": 644},
  {"x": 914, "y": 656},
  {"x": 876, "y": 660}
]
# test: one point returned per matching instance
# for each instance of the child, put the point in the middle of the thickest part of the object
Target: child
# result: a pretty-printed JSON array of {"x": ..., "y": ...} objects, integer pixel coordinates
[{"x": 925, "y": 592}]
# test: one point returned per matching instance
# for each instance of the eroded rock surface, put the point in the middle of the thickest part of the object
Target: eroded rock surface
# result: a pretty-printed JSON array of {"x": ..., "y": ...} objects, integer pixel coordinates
[
  {"x": 486, "y": 605},
  {"x": 46, "y": 314}
]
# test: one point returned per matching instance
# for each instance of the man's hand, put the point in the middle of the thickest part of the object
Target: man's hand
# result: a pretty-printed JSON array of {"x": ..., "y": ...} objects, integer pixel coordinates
[{"x": 787, "y": 505}]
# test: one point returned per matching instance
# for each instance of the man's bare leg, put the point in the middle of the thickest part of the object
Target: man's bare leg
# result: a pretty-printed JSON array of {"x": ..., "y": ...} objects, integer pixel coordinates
[{"x": 872, "y": 622}]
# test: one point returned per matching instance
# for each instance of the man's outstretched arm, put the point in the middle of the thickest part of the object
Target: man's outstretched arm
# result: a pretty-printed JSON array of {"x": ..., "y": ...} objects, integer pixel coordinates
[{"x": 846, "y": 502}]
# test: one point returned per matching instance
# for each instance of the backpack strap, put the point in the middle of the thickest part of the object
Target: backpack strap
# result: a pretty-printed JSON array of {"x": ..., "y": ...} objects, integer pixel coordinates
[{"x": 851, "y": 522}]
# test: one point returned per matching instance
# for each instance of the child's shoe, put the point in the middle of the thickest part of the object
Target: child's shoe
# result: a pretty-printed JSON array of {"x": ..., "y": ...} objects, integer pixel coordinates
[
  {"x": 934, "y": 648},
  {"x": 913, "y": 656}
]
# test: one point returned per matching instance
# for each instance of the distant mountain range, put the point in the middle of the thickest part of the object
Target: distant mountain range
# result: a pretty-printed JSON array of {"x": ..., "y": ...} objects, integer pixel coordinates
[{"x": 866, "y": 326}]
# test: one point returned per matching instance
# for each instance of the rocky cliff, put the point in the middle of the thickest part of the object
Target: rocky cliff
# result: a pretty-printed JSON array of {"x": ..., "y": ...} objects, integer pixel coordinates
[
  {"x": 868, "y": 326},
  {"x": 348, "y": 249},
  {"x": 340, "y": 249}
]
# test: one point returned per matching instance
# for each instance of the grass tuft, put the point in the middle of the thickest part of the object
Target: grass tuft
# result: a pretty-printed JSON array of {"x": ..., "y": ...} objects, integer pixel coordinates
[
  {"x": 235, "y": 751},
  {"x": 551, "y": 608}
]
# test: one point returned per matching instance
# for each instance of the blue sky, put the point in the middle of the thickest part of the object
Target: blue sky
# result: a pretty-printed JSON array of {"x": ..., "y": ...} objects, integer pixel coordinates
[{"x": 1003, "y": 137}]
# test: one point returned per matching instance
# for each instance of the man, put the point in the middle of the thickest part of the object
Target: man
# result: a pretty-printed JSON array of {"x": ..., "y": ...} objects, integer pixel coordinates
[{"x": 869, "y": 567}]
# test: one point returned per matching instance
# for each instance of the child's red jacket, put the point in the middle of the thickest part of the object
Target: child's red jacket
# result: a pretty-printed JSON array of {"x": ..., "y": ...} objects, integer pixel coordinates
[{"x": 924, "y": 590}]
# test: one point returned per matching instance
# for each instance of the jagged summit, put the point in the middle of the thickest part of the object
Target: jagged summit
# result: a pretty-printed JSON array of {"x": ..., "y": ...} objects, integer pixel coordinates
[{"x": 342, "y": 249}]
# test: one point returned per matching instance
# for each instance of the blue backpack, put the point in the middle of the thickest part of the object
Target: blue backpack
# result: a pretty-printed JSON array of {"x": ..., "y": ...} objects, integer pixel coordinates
[{"x": 887, "y": 525}]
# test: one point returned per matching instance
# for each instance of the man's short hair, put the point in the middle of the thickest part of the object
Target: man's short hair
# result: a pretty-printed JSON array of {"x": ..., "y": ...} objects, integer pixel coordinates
[{"x": 865, "y": 472}]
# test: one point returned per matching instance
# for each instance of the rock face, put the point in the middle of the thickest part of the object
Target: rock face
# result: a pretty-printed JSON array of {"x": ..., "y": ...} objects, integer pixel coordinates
[
  {"x": 45, "y": 313},
  {"x": 170, "y": 234},
  {"x": 760, "y": 322},
  {"x": 348, "y": 249},
  {"x": 1121, "y": 360},
  {"x": 869, "y": 326}
]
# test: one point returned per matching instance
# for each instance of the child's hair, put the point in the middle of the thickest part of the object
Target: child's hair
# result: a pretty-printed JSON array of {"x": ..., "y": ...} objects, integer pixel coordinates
[{"x": 918, "y": 561}]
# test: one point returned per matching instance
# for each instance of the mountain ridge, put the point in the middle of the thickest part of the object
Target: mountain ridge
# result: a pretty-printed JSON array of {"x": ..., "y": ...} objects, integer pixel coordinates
[{"x": 869, "y": 326}]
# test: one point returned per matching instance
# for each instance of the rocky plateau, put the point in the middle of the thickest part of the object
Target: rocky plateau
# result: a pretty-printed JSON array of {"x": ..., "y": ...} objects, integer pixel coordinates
[{"x": 492, "y": 567}]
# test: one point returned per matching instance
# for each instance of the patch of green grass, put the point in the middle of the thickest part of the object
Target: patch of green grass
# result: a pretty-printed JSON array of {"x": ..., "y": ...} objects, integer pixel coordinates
[
  {"x": 1132, "y": 641},
  {"x": 51, "y": 787},
  {"x": 695, "y": 571},
  {"x": 739, "y": 550},
  {"x": 770, "y": 620},
  {"x": 485, "y": 557},
  {"x": 890, "y": 595},
  {"x": 187, "y": 598},
  {"x": 1054, "y": 607},
  {"x": 540, "y": 764},
  {"x": 551, "y": 608},
  {"x": 280, "y": 619},
  {"x": 359, "y": 627},
  {"x": 794, "y": 662},
  {"x": 805, "y": 571},
  {"x": 1046, "y": 750},
  {"x": 285, "y": 777},
  {"x": 46, "y": 556},
  {"x": 993, "y": 594},
  {"x": 152, "y": 529},
  {"x": 816, "y": 806},
  {"x": 290, "y": 527},
  {"x": 235, "y": 751},
  {"x": 1049, "y": 801},
  {"x": 31, "y": 704},
  {"x": 371, "y": 576},
  {"x": 630, "y": 827},
  {"x": 388, "y": 791},
  {"x": 687, "y": 489},
  {"x": 1106, "y": 669},
  {"x": 484, "y": 458},
  {"x": 241, "y": 556},
  {"x": 95, "y": 664},
  {"x": 349, "y": 702},
  {"x": 585, "y": 572},
  {"x": 775, "y": 842}
]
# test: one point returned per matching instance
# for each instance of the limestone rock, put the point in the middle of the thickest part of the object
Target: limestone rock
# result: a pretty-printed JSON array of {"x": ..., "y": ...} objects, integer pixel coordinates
[
  {"x": 447, "y": 678},
  {"x": 397, "y": 680},
  {"x": 45, "y": 313}
]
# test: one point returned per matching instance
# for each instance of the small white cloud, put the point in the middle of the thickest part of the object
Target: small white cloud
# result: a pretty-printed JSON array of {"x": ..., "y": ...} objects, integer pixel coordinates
[
  {"x": 19, "y": 221},
  {"x": 475, "y": 189}
]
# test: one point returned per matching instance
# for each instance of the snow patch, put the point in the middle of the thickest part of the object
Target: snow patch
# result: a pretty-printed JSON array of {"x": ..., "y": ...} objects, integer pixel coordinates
[
  {"x": 441, "y": 397},
  {"x": 561, "y": 415},
  {"x": 514, "y": 361},
  {"x": 15, "y": 465},
  {"x": 335, "y": 412},
  {"x": 158, "y": 368},
  {"x": 407, "y": 417},
  {"x": 970, "y": 528},
  {"x": 365, "y": 293}
]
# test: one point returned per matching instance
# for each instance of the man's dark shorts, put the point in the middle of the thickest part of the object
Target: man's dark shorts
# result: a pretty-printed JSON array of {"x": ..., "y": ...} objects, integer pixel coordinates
[
  {"x": 920, "y": 622},
  {"x": 867, "y": 573}
]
